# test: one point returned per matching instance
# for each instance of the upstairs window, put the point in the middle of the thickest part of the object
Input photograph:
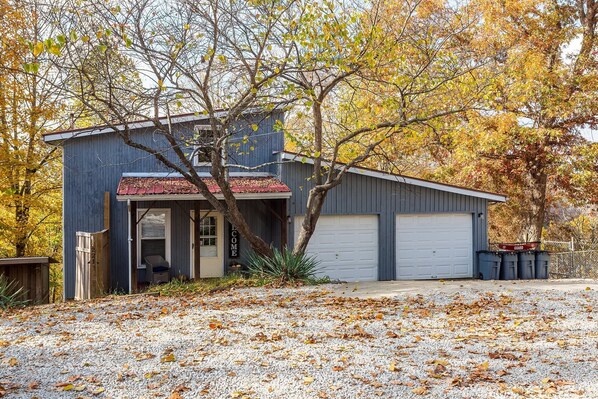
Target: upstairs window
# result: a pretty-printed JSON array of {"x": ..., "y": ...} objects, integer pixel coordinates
[{"x": 203, "y": 145}]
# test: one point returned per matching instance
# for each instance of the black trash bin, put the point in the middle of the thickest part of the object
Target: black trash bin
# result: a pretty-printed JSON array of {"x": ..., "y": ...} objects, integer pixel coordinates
[
  {"x": 508, "y": 266},
  {"x": 526, "y": 265},
  {"x": 489, "y": 262},
  {"x": 542, "y": 264}
]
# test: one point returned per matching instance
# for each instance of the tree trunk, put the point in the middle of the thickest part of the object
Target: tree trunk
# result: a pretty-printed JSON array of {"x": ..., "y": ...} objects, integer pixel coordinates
[
  {"x": 315, "y": 202},
  {"x": 236, "y": 218},
  {"x": 537, "y": 211},
  {"x": 22, "y": 219},
  {"x": 317, "y": 195}
]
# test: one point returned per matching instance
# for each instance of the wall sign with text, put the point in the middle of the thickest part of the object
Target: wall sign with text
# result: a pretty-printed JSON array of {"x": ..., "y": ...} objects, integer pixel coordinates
[{"x": 234, "y": 242}]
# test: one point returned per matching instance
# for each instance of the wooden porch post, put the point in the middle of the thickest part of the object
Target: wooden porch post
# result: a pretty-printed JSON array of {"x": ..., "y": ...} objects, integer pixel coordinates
[
  {"x": 196, "y": 241},
  {"x": 106, "y": 209},
  {"x": 133, "y": 246},
  {"x": 284, "y": 225}
]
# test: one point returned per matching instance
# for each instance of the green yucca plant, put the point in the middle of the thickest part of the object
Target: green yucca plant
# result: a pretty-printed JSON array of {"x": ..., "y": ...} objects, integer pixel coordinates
[
  {"x": 10, "y": 294},
  {"x": 283, "y": 265}
]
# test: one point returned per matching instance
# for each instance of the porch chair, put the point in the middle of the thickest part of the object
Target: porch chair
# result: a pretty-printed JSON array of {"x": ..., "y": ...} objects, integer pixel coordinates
[{"x": 157, "y": 269}]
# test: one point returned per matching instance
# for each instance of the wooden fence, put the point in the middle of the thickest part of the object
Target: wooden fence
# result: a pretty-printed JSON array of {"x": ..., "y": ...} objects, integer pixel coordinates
[
  {"x": 92, "y": 278},
  {"x": 31, "y": 274}
]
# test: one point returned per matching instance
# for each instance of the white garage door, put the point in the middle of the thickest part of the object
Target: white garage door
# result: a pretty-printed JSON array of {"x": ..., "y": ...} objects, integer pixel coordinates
[
  {"x": 346, "y": 246},
  {"x": 434, "y": 246}
]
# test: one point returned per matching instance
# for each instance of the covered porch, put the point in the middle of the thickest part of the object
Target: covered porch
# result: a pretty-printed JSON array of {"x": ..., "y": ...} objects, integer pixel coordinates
[{"x": 168, "y": 218}]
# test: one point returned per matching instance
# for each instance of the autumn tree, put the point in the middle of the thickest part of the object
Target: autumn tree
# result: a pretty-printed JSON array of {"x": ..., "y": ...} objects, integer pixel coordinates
[
  {"x": 29, "y": 105},
  {"x": 366, "y": 74},
  {"x": 526, "y": 141},
  {"x": 107, "y": 74},
  {"x": 317, "y": 60},
  {"x": 199, "y": 56}
]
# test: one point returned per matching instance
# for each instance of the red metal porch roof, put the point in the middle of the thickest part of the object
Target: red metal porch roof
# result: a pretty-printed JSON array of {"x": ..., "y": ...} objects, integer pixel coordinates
[{"x": 148, "y": 186}]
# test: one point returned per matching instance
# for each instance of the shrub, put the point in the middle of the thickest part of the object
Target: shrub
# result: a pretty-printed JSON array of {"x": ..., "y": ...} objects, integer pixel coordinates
[
  {"x": 10, "y": 293},
  {"x": 284, "y": 266}
]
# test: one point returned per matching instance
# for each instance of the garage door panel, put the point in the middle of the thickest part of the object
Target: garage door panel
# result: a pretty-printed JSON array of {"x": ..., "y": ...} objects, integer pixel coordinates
[
  {"x": 434, "y": 246},
  {"x": 346, "y": 246}
]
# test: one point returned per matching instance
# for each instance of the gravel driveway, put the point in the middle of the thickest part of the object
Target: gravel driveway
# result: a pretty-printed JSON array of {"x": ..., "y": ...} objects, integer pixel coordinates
[{"x": 307, "y": 343}]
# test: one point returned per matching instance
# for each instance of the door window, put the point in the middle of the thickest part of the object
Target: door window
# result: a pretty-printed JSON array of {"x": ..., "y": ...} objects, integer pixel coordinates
[{"x": 208, "y": 237}]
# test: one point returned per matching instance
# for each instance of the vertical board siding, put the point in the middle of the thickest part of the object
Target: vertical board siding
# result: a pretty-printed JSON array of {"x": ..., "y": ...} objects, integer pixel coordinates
[
  {"x": 359, "y": 194},
  {"x": 93, "y": 165},
  {"x": 32, "y": 275}
]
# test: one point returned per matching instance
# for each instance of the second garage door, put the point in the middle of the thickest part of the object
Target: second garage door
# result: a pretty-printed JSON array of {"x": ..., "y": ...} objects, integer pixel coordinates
[
  {"x": 345, "y": 245},
  {"x": 434, "y": 246}
]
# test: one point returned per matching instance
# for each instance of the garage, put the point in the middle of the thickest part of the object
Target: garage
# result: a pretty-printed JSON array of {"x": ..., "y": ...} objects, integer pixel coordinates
[
  {"x": 434, "y": 246},
  {"x": 345, "y": 245}
]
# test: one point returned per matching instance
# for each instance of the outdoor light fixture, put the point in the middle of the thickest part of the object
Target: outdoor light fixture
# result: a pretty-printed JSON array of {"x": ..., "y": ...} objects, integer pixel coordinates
[{"x": 480, "y": 215}]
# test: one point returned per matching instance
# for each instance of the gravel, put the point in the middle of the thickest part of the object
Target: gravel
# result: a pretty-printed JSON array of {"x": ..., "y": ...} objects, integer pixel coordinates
[{"x": 306, "y": 343}]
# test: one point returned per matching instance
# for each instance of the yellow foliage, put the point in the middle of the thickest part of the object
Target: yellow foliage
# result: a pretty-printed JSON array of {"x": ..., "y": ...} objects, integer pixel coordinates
[{"x": 30, "y": 200}]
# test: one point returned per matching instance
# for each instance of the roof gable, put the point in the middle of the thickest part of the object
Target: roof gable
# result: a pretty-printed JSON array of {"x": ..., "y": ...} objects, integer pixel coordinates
[{"x": 62, "y": 135}]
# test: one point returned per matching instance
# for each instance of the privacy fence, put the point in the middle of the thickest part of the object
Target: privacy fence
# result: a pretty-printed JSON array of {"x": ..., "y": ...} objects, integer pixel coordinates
[{"x": 93, "y": 264}]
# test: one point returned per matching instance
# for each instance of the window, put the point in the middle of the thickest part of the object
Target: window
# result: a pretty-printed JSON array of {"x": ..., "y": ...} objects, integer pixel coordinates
[
  {"x": 153, "y": 234},
  {"x": 203, "y": 145},
  {"x": 208, "y": 237}
]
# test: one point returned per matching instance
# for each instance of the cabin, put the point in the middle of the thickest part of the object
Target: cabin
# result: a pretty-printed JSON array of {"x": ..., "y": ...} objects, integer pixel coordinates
[{"x": 374, "y": 225}]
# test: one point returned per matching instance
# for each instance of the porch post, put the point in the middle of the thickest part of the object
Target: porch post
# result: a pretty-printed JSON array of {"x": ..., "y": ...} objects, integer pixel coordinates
[
  {"x": 196, "y": 241},
  {"x": 284, "y": 225},
  {"x": 133, "y": 265}
]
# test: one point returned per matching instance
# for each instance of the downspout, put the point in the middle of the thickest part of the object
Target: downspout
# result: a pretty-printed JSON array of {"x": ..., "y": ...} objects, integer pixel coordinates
[{"x": 130, "y": 240}]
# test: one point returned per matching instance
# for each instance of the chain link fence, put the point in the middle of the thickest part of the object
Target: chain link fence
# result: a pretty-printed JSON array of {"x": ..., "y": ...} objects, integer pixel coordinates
[{"x": 574, "y": 264}]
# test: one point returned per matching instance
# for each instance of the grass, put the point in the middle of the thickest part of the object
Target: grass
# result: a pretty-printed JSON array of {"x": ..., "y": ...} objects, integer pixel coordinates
[{"x": 177, "y": 287}]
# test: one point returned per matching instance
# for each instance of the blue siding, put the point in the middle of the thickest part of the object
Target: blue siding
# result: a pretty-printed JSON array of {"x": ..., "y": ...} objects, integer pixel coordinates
[
  {"x": 359, "y": 194},
  {"x": 93, "y": 165}
]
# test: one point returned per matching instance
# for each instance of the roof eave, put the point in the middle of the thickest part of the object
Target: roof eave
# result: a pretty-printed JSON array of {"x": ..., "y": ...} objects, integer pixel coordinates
[
  {"x": 404, "y": 179},
  {"x": 61, "y": 136},
  {"x": 199, "y": 197}
]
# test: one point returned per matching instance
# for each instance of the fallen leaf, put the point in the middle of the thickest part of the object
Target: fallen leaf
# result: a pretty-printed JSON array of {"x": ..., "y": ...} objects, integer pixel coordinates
[
  {"x": 168, "y": 358},
  {"x": 420, "y": 390},
  {"x": 518, "y": 390}
]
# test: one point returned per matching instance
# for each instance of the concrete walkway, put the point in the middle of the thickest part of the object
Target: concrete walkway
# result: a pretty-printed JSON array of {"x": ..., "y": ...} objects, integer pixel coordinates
[{"x": 379, "y": 289}]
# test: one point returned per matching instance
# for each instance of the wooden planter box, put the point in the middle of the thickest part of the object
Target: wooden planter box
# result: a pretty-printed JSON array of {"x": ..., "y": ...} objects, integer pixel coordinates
[{"x": 33, "y": 274}]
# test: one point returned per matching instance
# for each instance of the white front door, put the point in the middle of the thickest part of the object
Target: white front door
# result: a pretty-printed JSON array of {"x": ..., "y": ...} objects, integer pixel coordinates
[
  {"x": 211, "y": 242},
  {"x": 345, "y": 245},
  {"x": 433, "y": 246}
]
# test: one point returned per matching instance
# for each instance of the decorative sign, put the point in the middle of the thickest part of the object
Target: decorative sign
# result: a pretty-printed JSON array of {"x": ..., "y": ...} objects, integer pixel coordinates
[{"x": 234, "y": 242}]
